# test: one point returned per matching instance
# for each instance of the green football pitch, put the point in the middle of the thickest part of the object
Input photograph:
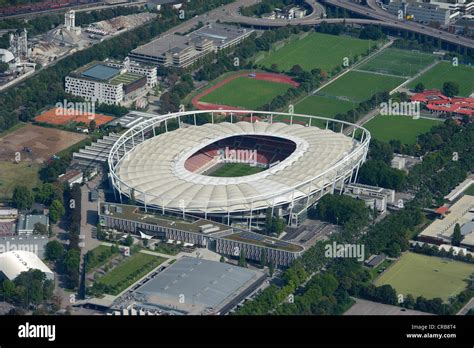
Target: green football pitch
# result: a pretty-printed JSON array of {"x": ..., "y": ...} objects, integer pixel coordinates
[
  {"x": 230, "y": 170},
  {"x": 316, "y": 51},
  {"x": 403, "y": 128},
  {"x": 357, "y": 86},
  {"x": 246, "y": 92},
  {"x": 428, "y": 276},
  {"x": 398, "y": 62},
  {"x": 446, "y": 72}
]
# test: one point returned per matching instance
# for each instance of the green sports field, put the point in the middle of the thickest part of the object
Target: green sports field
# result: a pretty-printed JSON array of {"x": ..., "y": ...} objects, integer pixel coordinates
[
  {"x": 357, "y": 86},
  {"x": 316, "y": 51},
  {"x": 398, "y": 62},
  {"x": 427, "y": 276},
  {"x": 403, "y": 128},
  {"x": 230, "y": 170},
  {"x": 323, "y": 106},
  {"x": 12, "y": 174},
  {"x": 130, "y": 271},
  {"x": 444, "y": 72},
  {"x": 246, "y": 92}
]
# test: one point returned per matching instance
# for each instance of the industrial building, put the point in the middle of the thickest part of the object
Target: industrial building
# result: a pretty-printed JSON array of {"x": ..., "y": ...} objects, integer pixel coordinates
[
  {"x": 193, "y": 286},
  {"x": 109, "y": 82},
  {"x": 441, "y": 230},
  {"x": 220, "y": 238},
  {"x": 182, "y": 51},
  {"x": 32, "y": 243},
  {"x": 13, "y": 263}
]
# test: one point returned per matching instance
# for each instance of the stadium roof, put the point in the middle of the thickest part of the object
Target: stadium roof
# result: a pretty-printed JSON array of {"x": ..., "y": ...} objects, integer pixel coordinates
[
  {"x": 156, "y": 167},
  {"x": 194, "y": 286},
  {"x": 12, "y": 263}
]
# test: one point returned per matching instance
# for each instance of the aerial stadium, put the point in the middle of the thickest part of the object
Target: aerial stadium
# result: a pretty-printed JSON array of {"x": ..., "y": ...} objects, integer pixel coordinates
[{"x": 236, "y": 166}]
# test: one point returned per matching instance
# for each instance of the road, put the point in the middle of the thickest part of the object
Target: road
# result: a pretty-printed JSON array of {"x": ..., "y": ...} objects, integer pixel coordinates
[
  {"x": 375, "y": 12},
  {"x": 378, "y": 17}
]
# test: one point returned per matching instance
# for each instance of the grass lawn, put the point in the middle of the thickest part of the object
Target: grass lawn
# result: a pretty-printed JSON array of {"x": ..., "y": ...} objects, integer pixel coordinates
[
  {"x": 398, "y": 62},
  {"x": 316, "y": 51},
  {"x": 130, "y": 271},
  {"x": 99, "y": 256},
  {"x": 357, "y": 86},
  {"x": 403, "y": 128},
  {"x": 11, "y": 174},
  {"x": 470, "y": 191},
  {"x": 246, "y": 92},
  {"x": 444, "y": 72},
  {"x": 230, "y": 170},
  {"x": 323, "y": 106},
  {"x": 427, "y": 276}
]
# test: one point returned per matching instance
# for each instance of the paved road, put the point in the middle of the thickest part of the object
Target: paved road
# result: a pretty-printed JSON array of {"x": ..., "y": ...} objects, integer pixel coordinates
[
  {"x": 377, "y": 13},
  {"x": 379, "y": 17}
]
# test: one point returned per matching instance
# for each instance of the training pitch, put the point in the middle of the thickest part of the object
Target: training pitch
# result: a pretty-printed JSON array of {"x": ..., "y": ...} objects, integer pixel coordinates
[
  {"x": 398, "y": 62},
  {"x": 357, "y": 86},
  {"x": 317, "y": 50},
  {"x": 428, "y": 276},
  {"x": 446, "y": 72},
  {"x": 402, "y": 128}
]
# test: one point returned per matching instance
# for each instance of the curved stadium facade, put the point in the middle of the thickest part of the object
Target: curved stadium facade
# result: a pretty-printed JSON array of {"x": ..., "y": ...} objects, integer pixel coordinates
[{"x": 235, "y": 166}]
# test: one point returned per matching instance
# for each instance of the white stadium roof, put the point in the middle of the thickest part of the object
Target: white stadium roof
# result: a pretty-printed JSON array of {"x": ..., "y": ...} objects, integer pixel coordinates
[
  {"x": 156, "y": 167},
  {"x": 6, "y": 56},
  {"x": 12, "y": 263}
]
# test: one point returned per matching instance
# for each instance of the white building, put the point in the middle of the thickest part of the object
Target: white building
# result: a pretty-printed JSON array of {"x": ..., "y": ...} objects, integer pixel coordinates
[
  {"x": 13, "y": 263},
  {"x": 109, "y": 82},
  {"x": 421, "y": 12},
  {"x": 374, "y": 197}
]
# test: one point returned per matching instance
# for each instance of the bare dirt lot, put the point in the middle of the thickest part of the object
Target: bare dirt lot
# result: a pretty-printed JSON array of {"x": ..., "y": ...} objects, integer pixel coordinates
[{"x": 36, "y": 144}]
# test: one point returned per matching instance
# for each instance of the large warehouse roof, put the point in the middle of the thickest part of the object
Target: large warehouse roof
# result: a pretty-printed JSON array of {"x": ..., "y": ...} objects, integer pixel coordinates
[
  {"x": 12, "y": 263},
  {"x": 157, "y": 168},
  {"x": 194, "y": 286}
]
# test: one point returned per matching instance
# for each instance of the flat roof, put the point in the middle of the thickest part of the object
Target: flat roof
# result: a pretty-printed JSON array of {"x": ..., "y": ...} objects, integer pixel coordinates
[
  {"x": 100, "y": 72},
  {"x": 461, "y": 212},
  {"x": 194, "y": 286},
  {"x": 133, "y": 213}
]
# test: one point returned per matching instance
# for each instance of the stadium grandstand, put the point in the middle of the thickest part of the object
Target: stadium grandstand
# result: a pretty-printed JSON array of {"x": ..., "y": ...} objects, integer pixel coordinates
[{"x": 284, "y": 167}]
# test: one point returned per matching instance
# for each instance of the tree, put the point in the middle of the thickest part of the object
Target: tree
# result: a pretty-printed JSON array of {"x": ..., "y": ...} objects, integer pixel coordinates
[
  {"x": 22, "y": 197},
  {"x": 129, "y": 240},
  {"x": 39, "y": 228},
  {"x": 457, "y": 236},
  {"x": 3, "y": 67},
  {"x": 222, "y": 259},
  {"x": 92, "y": 126},
  {"x": 420, "y": 87},
  {"x": 296, "y": 69},
  {"x": 451, "y": 89},
  {"x": 56, "y": 210},
  {"x": 54, "y": 250},
  {"x": 274, "y": 67}
]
